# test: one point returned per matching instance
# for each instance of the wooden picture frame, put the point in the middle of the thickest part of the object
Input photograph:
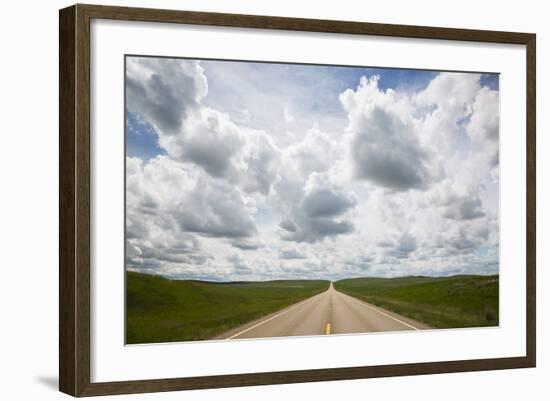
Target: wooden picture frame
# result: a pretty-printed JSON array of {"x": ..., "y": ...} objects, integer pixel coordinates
[{"x": 75, "y": 198}]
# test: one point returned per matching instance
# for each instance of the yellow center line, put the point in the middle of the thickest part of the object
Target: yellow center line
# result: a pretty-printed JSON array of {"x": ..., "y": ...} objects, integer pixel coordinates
[{"x": 327, "y": 328}]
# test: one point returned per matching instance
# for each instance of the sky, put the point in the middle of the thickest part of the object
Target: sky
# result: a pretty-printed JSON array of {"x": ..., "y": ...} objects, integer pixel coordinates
[{"x": 263, "y": 171}]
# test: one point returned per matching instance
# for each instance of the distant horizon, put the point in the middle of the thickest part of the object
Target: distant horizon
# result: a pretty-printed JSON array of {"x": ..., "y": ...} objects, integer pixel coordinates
[
  {"x": 259, "y": 171},
  {"x": 309, "y": 279}
]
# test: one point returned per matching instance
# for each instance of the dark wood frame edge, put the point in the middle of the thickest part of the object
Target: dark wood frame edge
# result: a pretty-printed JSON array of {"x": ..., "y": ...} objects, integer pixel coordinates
[{"x": 74, "y": 199}]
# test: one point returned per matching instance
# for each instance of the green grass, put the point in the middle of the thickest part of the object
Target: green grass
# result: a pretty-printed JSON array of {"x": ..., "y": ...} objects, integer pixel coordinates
[
  {"x": 162, "y": 310},
  {"x": 440, "y": 302}
]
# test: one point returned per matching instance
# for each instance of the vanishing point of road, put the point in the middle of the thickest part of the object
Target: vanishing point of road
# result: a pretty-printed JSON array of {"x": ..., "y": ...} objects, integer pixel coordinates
[{"x": 330, "y": 312}]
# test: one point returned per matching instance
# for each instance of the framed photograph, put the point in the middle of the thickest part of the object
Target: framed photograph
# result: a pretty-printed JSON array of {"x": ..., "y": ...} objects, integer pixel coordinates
[{"x": 250, "y": 200}]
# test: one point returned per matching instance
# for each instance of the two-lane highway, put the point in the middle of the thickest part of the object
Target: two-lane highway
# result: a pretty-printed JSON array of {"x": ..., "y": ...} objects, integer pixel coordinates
[{"x": 330, "y": 312}]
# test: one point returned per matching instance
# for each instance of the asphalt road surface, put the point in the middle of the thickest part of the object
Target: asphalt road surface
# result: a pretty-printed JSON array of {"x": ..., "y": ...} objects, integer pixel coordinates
[{"x": 330, "y": 312}]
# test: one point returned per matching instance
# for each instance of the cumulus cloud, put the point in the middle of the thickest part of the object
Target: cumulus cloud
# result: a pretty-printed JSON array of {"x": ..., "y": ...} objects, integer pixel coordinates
[
  {"x": 483, "y": 129},
  {"x": 168, "y": 94},
  {"x": 164, "y": 91},
  {"x": 326, "y": 202},
  {"x": 384, "y": 146},
  {"x": 315, "y": 153},
  {"x": 465, "y": 209},
  {"x": 406, "y": 245},
  {"x": 457, "y": 201},
  {"x": 449, "y": 97},
  {"x": 314, "y": 207},
  {"x": 210, "y": 140},
  {"x": 155, "y": 245},
  {"x": 243, "y": 156},
  {"x": 288, "y": 225},
  {"x": 240, "y": 265},
  {"x": 291, "y": 253},
  {"x": 451, "y": 93},
  {"x": 405, "y": 182},
  {"x": 401, "y": 247},
  {"x": 262, "y": 159},
  {"x": 170, "y": 206},
  {"x": 317, "y": 209},
  {"x": 197, "y": 202},
  {"x": 315, "y": 230},
  {"x": 484, "y": 121},
  {"x": 214, "y": 209},
  {"x": 246, "y": 244}
]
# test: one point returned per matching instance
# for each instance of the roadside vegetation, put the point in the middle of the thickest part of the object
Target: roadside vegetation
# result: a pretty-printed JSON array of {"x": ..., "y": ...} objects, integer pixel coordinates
[
  {"x": 440, "y": 302},
  {"x": 163, "y": 310}
]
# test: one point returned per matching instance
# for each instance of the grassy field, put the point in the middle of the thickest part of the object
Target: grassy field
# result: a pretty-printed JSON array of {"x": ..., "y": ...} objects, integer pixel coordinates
[
  {"x": 440, "y": 302},
  {"x": 162, "y": 310}
]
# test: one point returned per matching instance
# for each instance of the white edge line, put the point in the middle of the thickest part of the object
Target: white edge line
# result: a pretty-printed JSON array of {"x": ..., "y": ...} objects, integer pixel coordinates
[
  {"x": 274, "y": 316},
  {"x": 383, "y": 313}
]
